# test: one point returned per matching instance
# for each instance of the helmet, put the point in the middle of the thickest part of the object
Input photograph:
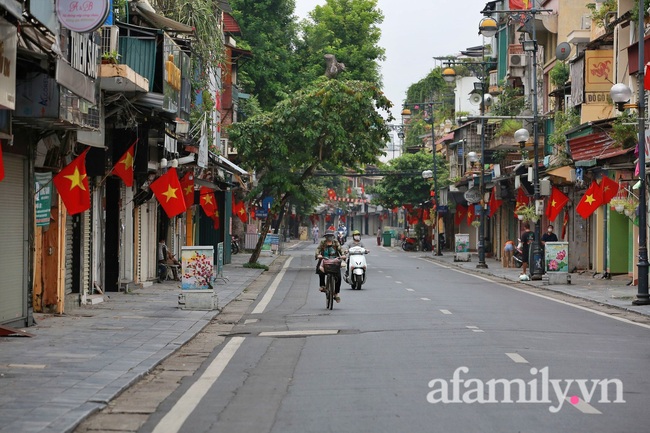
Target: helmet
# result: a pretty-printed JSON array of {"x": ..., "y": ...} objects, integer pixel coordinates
[
  {"x": 356, "y": 232},
  {"x": 329, "y": 234},
  {"x": 356, "y": 235}
]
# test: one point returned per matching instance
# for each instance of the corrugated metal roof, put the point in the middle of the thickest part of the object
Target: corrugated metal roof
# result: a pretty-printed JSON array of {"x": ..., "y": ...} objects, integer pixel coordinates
[{"x": 594, "y": 147}]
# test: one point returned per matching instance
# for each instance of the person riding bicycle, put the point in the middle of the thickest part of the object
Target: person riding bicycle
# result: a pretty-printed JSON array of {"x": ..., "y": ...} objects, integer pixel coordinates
[
  {"x": 329, "y": 248},
  {"x": 355, "y": 242}
]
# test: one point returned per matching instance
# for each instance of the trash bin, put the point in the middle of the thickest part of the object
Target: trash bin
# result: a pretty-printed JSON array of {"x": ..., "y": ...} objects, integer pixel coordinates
[{"x": 387, "y": 238}]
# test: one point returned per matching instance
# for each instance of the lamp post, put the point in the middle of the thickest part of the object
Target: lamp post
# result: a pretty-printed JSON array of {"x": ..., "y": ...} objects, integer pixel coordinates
[
  {"x": 430, "y": 104},
  {"x": 621, "y": 94},
  {"x": 489, "y": 28}
]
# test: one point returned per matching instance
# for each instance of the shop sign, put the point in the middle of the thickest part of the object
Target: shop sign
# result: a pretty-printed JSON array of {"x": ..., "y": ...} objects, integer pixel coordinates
[
  {"x": 82, "y": 16},
  {"x": 8, "y": 48},
  {"x": 43, "y": 198}
]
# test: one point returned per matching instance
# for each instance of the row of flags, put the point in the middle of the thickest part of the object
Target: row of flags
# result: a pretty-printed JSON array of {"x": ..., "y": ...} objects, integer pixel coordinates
[{"x": 174, "y": 195}]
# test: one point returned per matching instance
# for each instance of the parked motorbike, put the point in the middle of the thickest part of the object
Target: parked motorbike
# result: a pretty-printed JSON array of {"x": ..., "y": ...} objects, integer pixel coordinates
[
  {"x": 234, "y": 244},
  {"x": 426, "y": 245},
  {"x": 355, "y": 275},
  {"x": 410, "y": 244}
]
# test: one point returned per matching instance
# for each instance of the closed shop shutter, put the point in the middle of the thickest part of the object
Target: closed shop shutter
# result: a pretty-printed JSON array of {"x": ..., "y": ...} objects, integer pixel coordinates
[
  {"x": 69, "y": 251},
  {"x": 13, "y": 232}
]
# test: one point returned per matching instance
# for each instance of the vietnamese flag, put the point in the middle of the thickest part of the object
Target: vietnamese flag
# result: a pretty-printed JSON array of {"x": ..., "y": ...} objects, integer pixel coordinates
[
  {"x": 187, "y": 184},
  {"x": 208, "y": 201},
  {"x": 518, "y": 5},
  {"x": 215, "y": 220},
  {"x": 2, "y": 166},
  {"x": 72, "y": 185},
  {"x": 522, "y": 199},
  {"x": 555, "y": 204},
  {"x": 461, "y": 211},
  {"x": 167, "y": 189},
  {"x": 592, "y": 199},
  {"x": 609, "y": 189},
  {"x": 470, "y": 214},
  {"x": 239, "y": 210},
  {"x": 124, "y": 166},
  {"x": 494, "y": 204}
]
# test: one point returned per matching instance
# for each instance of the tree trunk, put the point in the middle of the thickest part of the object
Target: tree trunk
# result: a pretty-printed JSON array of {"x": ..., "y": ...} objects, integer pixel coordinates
[{"x": 265, "y": 229}]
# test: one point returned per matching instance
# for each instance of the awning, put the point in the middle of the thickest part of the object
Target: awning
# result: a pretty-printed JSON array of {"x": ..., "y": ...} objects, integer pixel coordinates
[
  {"x": 163, "y": 23},
  {"x": 567, "y": 172},
  {"x": 228, "y": 165},
  {"x": 587, "y": 150}
]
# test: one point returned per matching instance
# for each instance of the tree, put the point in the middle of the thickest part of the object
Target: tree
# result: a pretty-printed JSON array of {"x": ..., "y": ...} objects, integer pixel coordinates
[
  {"x": 270, "y": 31},
  {"x": 407, "y": 185},
  {"x": 348, "y": 29},
  {"x": 332, "y": 125}
]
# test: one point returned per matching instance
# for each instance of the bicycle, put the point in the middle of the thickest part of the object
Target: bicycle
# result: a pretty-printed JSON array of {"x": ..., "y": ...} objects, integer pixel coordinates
[{"x": 331, "y": 267}]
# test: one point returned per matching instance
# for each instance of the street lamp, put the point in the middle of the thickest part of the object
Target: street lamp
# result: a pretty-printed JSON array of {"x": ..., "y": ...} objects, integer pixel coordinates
[
  {"x": 529, "y": 46},
  {"x": 621, "y": 94},
  {"x": 430, "y": 104}
]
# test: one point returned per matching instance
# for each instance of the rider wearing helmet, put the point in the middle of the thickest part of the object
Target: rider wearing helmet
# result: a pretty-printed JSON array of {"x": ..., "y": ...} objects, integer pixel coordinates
[
  {"x": 327, "y": 249},
  {"x": 355, "y": 242}
]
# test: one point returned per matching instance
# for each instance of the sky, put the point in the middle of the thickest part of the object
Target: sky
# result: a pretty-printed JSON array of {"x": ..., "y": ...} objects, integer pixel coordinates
[{"x": 413, "y": 33}]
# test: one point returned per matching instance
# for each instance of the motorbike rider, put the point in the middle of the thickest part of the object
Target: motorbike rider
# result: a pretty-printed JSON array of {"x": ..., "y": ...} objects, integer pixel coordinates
[
  {"x": 354, "y": 242},
  {"x": 329, "y": 248}
]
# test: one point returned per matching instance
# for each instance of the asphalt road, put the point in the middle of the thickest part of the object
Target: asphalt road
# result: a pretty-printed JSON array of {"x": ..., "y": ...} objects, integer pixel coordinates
[{"x": 421, "y": 348}]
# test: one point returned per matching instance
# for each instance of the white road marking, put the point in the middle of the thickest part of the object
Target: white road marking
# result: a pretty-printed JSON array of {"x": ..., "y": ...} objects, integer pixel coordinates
[
  {"x": 259, "y": 308},
  {"x": 471, "y": 327},
  {"x": 303, "y": 333},
  {"x": 398, "y": 282},
  {"x": 388, "y": 276},
  {"x": 559, "y": 301},
  {"x": 445, "y": 311},
  {"x": 517, "y": 358},
  {"x": 584, "y": 407},
  {"x": 29, "y": 366},
  {"x": 174, "y": 419},
  {"x": 249, "y": 321},
  {"x": 425, "y": 299},
  {"x": 474, "y": 329},
  {"x": 477, "y": 330},
  {"x": 410, "y": 290}
]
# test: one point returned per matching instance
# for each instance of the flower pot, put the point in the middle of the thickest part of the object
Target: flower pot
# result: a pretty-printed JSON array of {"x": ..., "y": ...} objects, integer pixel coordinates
[
  {"x": 521, "y": 217},
  {"x": 619, "y": 208},
  {"x": 628, "y": 213}
]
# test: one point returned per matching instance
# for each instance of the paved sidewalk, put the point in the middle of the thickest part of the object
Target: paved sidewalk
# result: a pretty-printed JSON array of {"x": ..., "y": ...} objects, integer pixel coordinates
[
  {"x": 76, "y": 363},
  {"x": 614, "y": 292}
]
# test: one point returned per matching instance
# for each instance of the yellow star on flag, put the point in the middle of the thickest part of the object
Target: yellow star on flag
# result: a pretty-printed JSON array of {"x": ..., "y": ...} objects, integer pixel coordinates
[
  {"x": 76, "y": 179},
  {"x": 207, "y": 199},
  {"x": 188, "y": 189},
  {"x": 242, "y": 211},
  {"x": 590, "y": 199},
  {"x": 127, "y": 161},
  {"x": 553, "y": 203},
  {"x": 170, "y": 193}
]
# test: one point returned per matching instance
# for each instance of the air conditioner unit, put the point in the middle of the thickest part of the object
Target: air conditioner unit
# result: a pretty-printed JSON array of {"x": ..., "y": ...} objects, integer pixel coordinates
[
  {"x": 517, "y": 60},
  {"x": 225, "y": 145},
  {"x": 110, "y": 39}
]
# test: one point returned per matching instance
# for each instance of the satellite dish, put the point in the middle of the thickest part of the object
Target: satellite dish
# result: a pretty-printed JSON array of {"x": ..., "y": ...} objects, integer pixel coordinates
[
  {"x": 563, "y": 51},
  {"x": 475, "y": 99}
]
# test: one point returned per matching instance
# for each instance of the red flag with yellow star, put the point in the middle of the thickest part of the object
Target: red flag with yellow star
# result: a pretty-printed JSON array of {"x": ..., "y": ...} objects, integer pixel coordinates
[
  {"x": 72, "y": 185},
  {"x": 592, "y": 199},
  {"x": 522, "y": 199},
  {"x": 470, "y": 214},
  {"x": 494, "y": 204},
  {"x": 187, "y": 184},
  {"x": 609, "y": 189},
  {"x": 518, "y": 5},
  {"x": 169, "y": 194},
  {"x": 461, "y": 212},
  {"x": 208, "y": 201},
  {"x": 239, "y": 210},
  {"x": 555, "y": 204},
  {"x": 124, "y": 167}
]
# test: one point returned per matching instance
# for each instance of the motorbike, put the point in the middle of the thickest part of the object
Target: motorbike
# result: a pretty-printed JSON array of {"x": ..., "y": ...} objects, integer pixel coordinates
[
  {"x": 518, "y": 255},
  {"x": 355, "y": 275},
  {"x": 234, "y": 244},
  {"x": 410, "y": 244},
  {"x": 341, "y": 237}
]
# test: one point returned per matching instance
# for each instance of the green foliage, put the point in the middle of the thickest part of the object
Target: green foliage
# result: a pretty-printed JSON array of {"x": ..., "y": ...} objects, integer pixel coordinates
[
  {"x": 111, "y": 57},
  {"x": 624, "y": 130},
  {"x": 510, "y": 102},
  {"x": 598, "y": 15},
  {"x": 559, "y": 75},
  {"x": 634, "y": 12},
  {"x": 431, "y": 86},
  {"x": 396, "y": 190},
  {"x": 349, "y": 29},
  {"x": 270, "y": 32},
  {"x": 255, "y": 265},
  {"x": 507, "y": 128},
  {"x": 563, "y": 122}
]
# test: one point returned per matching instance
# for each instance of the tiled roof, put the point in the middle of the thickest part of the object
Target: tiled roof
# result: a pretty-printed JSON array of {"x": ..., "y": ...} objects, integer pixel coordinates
[
  {"x": 230, "y": 26},
  {"x": 595, "y": 147}
]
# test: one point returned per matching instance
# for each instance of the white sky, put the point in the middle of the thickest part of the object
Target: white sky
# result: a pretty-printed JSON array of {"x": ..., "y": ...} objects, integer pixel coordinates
[{"x": 415, "y": 31}]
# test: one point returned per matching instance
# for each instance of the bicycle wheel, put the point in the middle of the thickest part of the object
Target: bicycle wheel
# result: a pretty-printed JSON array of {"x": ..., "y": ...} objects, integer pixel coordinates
[{"x": 330, "y": 288}]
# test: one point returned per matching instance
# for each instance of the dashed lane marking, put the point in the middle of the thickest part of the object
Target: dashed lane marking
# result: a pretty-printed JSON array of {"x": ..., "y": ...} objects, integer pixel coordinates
[
  {"x": 301, "y": 333},
  {"x": 425, "y": 299},
  {"x": 517, "y": 358},
  {"x": 445, "y": 311},
  {"x": 259, "y": 308}
]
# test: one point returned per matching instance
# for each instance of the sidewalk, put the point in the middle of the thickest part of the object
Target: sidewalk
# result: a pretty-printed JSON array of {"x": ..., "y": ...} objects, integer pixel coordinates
[
  {"x": 614, "y": 292},
  {"x": 76, "y": 363}
]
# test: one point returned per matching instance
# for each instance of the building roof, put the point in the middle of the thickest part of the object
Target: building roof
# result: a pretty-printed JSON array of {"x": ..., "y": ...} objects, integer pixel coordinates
[
  {"x": 230, "y": 25},
  {"x": 587, "y": 150}
]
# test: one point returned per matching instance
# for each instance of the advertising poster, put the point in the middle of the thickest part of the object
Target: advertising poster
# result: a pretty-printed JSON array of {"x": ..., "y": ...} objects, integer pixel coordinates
[
  {"x": 43, "y": 199},
  {"x": 462, "y": 243},
  {"x": 556, "y": 255}
]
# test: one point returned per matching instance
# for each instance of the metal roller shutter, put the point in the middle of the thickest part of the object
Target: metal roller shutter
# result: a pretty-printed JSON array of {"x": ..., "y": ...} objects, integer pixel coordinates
[{"x": 14, "y": 240}]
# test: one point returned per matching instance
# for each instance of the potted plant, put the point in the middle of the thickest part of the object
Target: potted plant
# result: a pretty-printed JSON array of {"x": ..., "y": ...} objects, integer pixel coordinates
[
  {"x": 630, "y": 207},
  {"x": 110, "y": 57},
  {"x": 618, "y": 203},
  {"x": 476, "y": 223},
  {"x": 527, "y": 213}
]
